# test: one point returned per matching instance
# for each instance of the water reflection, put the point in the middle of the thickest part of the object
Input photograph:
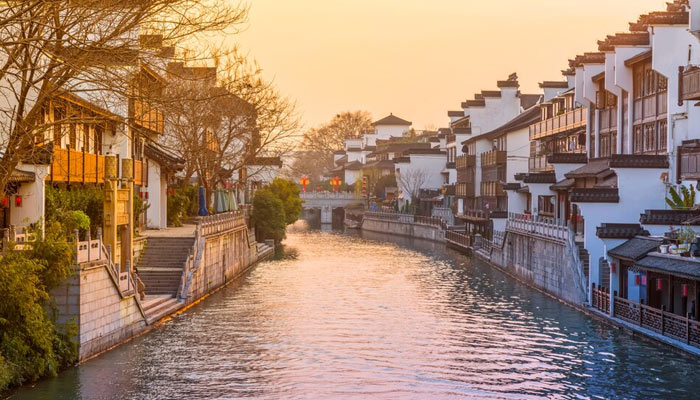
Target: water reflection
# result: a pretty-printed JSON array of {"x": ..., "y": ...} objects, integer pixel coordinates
[{"x": 352, "y": 316}]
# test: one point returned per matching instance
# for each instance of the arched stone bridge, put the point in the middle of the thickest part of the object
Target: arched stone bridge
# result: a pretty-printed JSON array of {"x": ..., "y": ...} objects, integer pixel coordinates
[{"x": 327, "y": 201}]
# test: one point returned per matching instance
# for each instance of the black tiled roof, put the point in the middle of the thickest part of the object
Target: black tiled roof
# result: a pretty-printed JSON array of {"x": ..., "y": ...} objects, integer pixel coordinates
[
  {"x": 636, "y": 248},
  {"x": 668, "y": 217},
  {"x": 595, "y": 195},
  {"x": 391, "y": 120},
  {"x": 620, "y": 231},
  {"x": 512, "y": 186},
  {"x": 567, "y": 158},
  {"x": 674, "y": 265},
  {"x": 590, "y": 170},
  {"x": 455, "y": 113},
  {"x": 520, "y": 176},
  {"x": 638, "y": 161},
  {"x": 542, "y": 177},
  {"x": 564, "y": 184}
]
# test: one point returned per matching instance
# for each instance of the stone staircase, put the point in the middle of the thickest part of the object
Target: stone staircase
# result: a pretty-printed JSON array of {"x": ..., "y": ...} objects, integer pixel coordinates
[
  {"x": 161, "y": 265},
  {"x": 158, "y": 306},
  {"x": 585, "y": 259}
]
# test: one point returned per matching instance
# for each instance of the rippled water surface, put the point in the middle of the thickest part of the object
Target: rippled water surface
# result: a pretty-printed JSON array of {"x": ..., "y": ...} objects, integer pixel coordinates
[{"x": 352, "y": 317}]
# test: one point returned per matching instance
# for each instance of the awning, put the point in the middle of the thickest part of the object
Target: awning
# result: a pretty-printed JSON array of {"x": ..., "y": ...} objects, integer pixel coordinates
[
  {"x": 685, "y": 267},
  {"x": 19, "y": 176},
  {"x": 636, "y": 248},
  {"x": 564, "y": 184}
]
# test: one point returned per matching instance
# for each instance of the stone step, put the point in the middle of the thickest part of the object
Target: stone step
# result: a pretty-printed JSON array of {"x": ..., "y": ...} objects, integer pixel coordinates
[
  {"x": 154, "y": 301},
  {"x": 162, "y": 310}
]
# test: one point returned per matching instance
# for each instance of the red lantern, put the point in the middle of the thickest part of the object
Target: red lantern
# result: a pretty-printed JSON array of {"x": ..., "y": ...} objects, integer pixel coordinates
[
  {"x": 612, "y": 267},
  {"x": 5, "y": 202},
  {"x": 141, "y": 195},
  {"x": 644, "y": 280},
  {"x": 685, "y": 290},
  {"x": 18, "y": 201},
  {"x": 637, "y": 280},
  {"x": 659, "y": 284},
  {"x": 146, "y": 195}
]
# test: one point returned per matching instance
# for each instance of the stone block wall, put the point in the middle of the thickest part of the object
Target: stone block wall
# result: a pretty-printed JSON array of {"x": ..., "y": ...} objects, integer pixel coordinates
[
  {"x": 91, "y": 299},
  {"x": 419, "y": 231},
  {"x": 547, "y": 264},
  {"x": 224, "y": 257}
]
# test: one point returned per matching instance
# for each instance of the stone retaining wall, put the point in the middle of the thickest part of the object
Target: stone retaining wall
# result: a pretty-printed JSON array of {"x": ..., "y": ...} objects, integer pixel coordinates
[
  {"x": 91, "y": 300},
  {"x": 549, "y": 265},
  {"x": 416, "y": 230}
]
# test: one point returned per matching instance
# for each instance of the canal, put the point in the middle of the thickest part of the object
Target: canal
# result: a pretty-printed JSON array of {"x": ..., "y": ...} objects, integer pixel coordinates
[{"x": 360, "y": 316}]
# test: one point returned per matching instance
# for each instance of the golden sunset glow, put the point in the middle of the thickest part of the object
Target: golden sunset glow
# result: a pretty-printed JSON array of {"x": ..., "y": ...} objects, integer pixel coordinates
[{"x": 419, "y": 58}]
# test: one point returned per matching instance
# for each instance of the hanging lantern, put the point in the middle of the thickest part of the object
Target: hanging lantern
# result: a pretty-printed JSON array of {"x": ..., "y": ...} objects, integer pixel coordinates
[
  {"x": 5, "y": 202},
  {"x": 644, "y": 280},
  {"x": 146, "y": 195},
  {"x": 685, "y": 290},
  {"x": 659, "y": 284},
  {"x": 18, "y": 201},
  {"x": 612, "y": 267},
  {"x": 637, "y": 280}
]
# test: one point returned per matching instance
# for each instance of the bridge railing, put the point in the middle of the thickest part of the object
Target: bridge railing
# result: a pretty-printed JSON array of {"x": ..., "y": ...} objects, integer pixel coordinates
[{"x": 330, "y": 196}]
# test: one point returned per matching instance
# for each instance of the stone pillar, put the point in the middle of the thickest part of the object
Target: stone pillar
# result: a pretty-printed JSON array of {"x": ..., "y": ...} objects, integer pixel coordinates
[
  {"x": 110, "y": 208},
  {"x": 127, "y": 229}
]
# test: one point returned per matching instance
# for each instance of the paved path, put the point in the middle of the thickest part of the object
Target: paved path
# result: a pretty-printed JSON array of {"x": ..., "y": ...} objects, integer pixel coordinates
[{"x": 182, "y": 231}]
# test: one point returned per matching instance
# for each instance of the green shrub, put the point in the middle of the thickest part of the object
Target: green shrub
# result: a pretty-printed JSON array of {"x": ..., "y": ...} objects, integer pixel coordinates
[
  {"x": 87, "y": 200},
  {"x": 288, "y": 192},
  {"x": 32, "y": 344},
  {"x": 268, "y": 216}
]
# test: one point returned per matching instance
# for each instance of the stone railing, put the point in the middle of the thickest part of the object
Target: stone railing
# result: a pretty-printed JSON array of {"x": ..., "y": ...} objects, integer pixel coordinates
[
  {"x": 217, "y": 223},
  {"x": 330, "y": 195},
  {"x": 94, "y": 250},
  {"x": 548, "y": 228},
  {"x": 407, "y": 218}
]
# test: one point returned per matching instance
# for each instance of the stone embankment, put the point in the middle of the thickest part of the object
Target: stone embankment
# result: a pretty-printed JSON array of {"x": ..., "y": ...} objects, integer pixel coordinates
[{"x": 177, "y": 267}]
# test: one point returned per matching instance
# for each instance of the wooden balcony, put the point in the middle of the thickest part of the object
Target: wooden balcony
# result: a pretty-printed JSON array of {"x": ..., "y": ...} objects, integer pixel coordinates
[
  {"x": 76, "y": 167},
  {"x": 492, "y": 189},
  {"x": 493, "y": 157},
  {"x": 570, "y": 120},
  {"x": 139, "y": 172},
  {"x": 465, "y": 161},
  {"x": 690, "y": 84},
  {"x": 148, "y": 117},
  {"x": 464, "y": 190},
  {"x": 540, "y": 164}
]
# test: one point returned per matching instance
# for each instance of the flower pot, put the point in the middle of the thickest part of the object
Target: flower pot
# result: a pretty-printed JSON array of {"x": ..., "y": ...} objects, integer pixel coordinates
[{"x": 663, "y": 249}]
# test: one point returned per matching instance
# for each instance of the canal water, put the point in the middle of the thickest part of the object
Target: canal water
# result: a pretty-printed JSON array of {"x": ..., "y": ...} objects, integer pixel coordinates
[{"x": 374, "y": 316}]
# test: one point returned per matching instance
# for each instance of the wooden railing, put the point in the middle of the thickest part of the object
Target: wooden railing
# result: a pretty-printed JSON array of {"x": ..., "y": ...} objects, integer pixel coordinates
[
  {"x": 684, "y": 329},
  {"x": 492, "y": 189},
  {"x": 465, "y": 161},
  {"x": 539, "y": 164},
  {"x": 690, "y": 84},
  {"x": 459, "y": 239},
  {"x": 600, "y": 299},
  {"x": 548, "y": 228},
  {"x": 138, "y": 173},
  {"x": 564, "y": 122},
  {"x": 76, "y": 166},
  {"x": 148, "y": 117},
  {"x": 493, "y": 157}
]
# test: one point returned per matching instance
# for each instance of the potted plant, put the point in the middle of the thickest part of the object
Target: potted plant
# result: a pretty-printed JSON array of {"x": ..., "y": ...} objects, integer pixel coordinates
[{"x": 686, "y": 237}]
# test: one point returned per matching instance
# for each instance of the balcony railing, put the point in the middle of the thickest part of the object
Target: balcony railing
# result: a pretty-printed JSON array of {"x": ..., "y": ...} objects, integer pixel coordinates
[
  {"x": 540, "y": 164},
  {"x": 465, "y": 190},
  {"x": 139, "y": 172},
  {"x": 148, "y": 117},
  {"x": 493, "y": 157},
  {"x": 561, "y": 123},
  {"x": 690, "y": 84},
  {"x": 492, "y": 189},
  {"x": 465, "y": 161},
  {"x": 76, "y": 166}
]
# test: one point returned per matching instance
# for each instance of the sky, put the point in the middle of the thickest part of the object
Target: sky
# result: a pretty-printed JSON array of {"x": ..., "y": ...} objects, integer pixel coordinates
[{"x": 420, "y": 58}]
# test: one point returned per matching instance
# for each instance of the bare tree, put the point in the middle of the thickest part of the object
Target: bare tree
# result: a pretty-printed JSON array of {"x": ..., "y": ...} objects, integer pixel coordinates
[
  {"x": 222, "y": 118},
  {"x": 84, "y": 50},
  {"x": 411, "y": 181}
]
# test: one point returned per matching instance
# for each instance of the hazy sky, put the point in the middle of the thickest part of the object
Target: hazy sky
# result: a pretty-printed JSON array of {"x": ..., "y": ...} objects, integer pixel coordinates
[{"x": 420, "y": 58}]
